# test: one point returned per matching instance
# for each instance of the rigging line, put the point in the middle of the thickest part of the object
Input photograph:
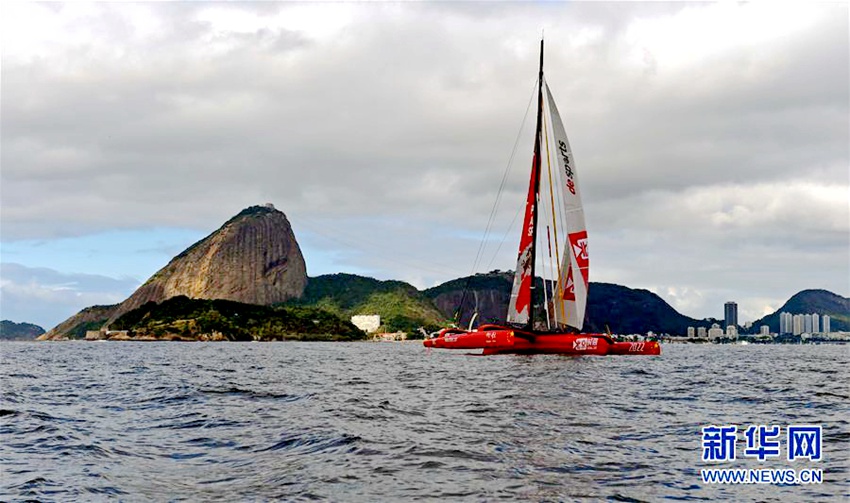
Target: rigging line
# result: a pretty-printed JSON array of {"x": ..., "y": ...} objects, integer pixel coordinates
[
  {"x": 493, "y": 211},
  {"x": 495, "y": 208},
  {"x": 504, "y": 237},
  {"x": 545, "y": 290},
  {"x": 358, "y": 246}
]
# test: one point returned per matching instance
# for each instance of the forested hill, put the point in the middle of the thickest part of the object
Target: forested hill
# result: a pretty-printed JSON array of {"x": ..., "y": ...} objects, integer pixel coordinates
[
  {"x": 11, "y": 331},
  {"x": 820, "y": 302}
]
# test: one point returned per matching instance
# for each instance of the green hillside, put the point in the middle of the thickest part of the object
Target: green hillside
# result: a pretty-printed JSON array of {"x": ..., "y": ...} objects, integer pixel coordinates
[
  {"x": 400, "y": 305},
  {"x": 184, "y": 318}
]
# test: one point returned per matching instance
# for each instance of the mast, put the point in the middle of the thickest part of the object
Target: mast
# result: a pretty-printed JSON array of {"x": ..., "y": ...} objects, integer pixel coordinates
[{"x": 536, "y": 178}]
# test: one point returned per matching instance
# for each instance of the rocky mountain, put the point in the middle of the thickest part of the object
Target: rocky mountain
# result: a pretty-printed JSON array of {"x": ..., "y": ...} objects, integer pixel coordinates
[
  {"x": 253, "y": 258},
  {"x": 11, "y": 331},
  {"x": 812, "y": 301},
  {"x": 488, "y": 294},
  {"x": 75, "y": 327}
]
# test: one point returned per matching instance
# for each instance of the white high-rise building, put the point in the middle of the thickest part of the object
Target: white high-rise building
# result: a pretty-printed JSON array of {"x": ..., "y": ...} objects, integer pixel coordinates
[
  {"x": 691, "y": 332},
  {"x": 797, "y": 324},
  {"x": 826, "y": 324},
  {"x": 807, "y": 323},
  {"x": 764, "y": 330},
  {"x": 815, "y": 323},
  {"x": 785, "y": 323},
  {"x": 701, "y": 333}
]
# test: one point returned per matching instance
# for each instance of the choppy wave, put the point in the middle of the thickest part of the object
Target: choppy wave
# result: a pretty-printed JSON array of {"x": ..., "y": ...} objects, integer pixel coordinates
[{"x": 394, "y": 422}]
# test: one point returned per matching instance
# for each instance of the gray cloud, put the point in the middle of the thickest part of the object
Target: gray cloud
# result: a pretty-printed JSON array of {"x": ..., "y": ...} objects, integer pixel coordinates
[
  {"x": 47, "y": 297},
  {"x": 389, "y": 126}
]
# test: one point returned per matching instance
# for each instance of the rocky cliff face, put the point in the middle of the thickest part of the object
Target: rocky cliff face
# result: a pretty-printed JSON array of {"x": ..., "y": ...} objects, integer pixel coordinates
[
  {"x": 486, "y": 294},
  {"x": 253, "y": 258},
  {"x": 75, "y": 327}
]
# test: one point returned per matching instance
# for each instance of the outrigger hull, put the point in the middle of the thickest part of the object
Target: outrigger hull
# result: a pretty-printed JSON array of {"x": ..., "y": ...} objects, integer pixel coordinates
[{"x": 502, "y": 340}]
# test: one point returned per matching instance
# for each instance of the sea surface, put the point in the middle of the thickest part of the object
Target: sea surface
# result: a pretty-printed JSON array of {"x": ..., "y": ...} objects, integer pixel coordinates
[{"x": 289, "y": 421}]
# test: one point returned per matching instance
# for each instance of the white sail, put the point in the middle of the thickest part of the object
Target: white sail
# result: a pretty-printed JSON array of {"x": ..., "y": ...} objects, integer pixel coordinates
[{"x": 571, "y": 299}]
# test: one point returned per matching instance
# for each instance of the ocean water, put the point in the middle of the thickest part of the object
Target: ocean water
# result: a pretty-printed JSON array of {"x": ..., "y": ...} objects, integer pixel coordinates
[{"x": 130, "y": 421}]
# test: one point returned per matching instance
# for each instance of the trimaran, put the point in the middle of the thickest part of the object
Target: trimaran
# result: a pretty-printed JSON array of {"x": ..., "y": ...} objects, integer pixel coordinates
[{"x": 553, "y": 196}]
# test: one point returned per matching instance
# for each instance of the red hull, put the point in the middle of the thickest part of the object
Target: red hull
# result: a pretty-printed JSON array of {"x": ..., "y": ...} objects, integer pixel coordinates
[{"x": 500, "y": 340}]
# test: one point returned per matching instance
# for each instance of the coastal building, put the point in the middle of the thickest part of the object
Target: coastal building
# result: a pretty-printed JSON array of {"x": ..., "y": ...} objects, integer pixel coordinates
[
  {"x": 807, "y": 323},
  {"x": 815, "y": 323},
  {"x": 764, "y": 330},
  {"x": 730, "y": 314},
  {"x": 731, "y": 332},
  {"x": 691, "y": 332},
  {"x": 715, "y": 332},
  {"x": 368, "y": 323},
  {"x": 826, "y": 326},
  {"x": 701, "y": 333}
]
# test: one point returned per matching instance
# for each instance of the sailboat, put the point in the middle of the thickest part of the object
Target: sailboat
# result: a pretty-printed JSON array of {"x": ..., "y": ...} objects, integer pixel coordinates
[{"x": 553, "y": 201}]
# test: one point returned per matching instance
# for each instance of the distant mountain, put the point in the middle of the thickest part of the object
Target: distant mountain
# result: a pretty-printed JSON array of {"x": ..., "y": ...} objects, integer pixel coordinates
[
  {"x": 252, "y": 258},
  {"x": 400, "y": 305},
  {"x": 487, "y": 294},
  {"x": 618, "y": 308},
  {"x": 812, "y": 301},
  {"x": 632, "y": 311},
  {"x": 11, "y": 331}
]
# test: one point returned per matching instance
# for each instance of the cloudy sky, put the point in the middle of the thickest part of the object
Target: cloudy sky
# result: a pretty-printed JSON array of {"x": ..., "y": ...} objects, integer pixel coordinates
[{"x": 711, "y": 140}]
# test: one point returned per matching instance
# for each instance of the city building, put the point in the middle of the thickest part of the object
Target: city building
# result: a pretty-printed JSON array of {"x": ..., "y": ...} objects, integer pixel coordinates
[
  {"x": 691, "y": 332},
  {"x": 826, "y": 326},
  {"x": 764, "y": 330},
  {"x": 368, "y": 323},
  {"x": 730, "y": 314},
  {"x": 797, "y": 324},
  {"x": 807, "y": 323},
  {"x": 789, "y": 323},
  {"x": 701, "y": 333},
  {"x": 815, "y": 323},
  {"x": 715, "y": 332}
]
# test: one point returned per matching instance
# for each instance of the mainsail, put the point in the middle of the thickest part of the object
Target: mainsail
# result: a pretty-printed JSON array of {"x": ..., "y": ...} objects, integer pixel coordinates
[{"x": 565, "y": 216}]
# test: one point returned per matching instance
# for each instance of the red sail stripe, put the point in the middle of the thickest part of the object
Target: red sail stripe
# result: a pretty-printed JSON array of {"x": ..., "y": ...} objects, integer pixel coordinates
[{"x": 526, "y": 245}]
